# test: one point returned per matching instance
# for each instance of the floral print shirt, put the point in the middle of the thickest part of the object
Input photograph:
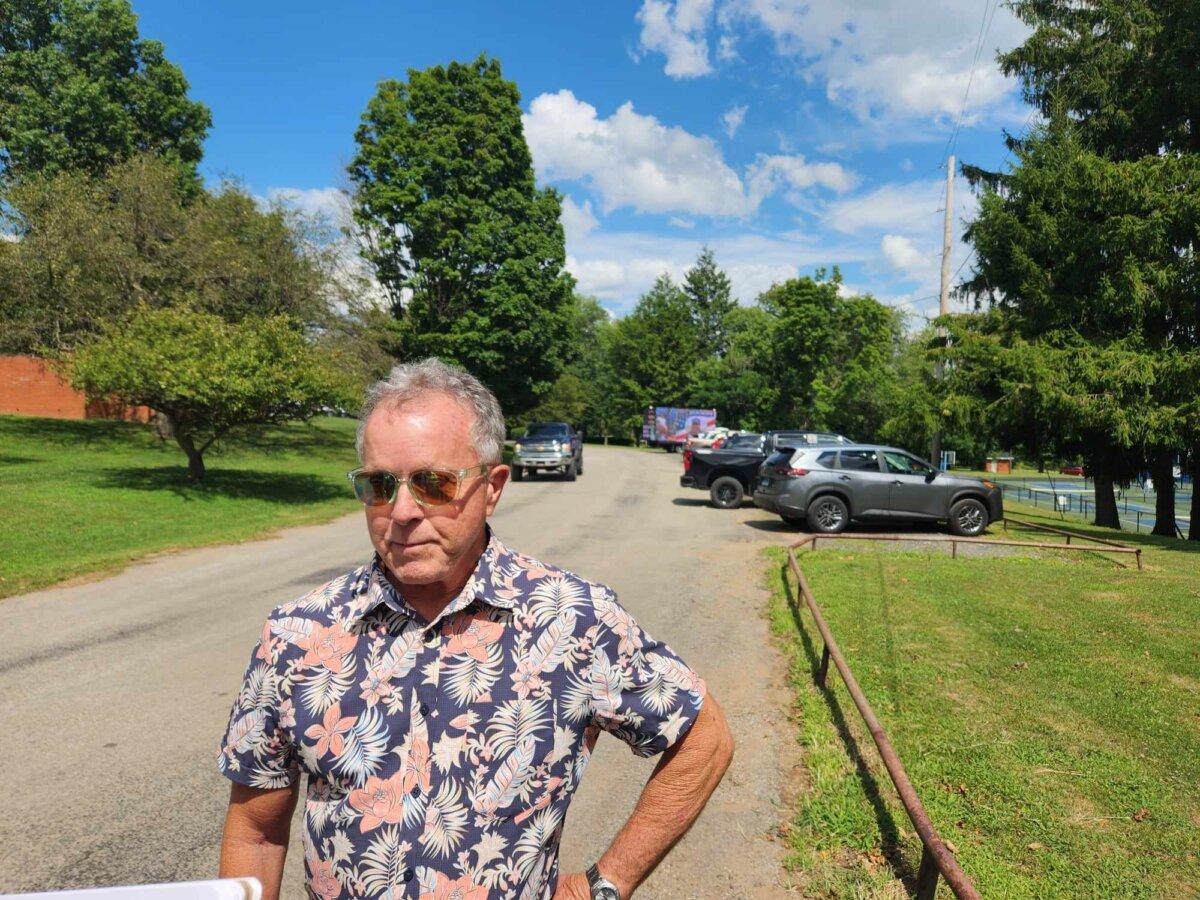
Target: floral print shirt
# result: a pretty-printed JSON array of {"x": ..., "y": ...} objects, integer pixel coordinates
[{"x": 441, "y": 757}]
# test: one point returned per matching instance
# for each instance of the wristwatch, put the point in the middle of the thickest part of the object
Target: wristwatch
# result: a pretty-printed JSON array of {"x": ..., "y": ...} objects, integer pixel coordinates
[{"x": 602, "y": 888}]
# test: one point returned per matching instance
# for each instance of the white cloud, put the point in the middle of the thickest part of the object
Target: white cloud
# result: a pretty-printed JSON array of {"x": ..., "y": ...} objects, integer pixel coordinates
[
  {"x": 634, "y": 160},
  {"x": 905, "y": 208},
  {"x": 890, "y": 61},
  {"x": 733, "y": 118},
  {"x": 767, "y": 173},
  {"x": 904, "y": 256},
  {"x": 679, "y": 222},
  {"x": 619, "y": 267},
  {"x": 330, "y": 204},
  {"x": 677, "y": 30},
  {"x": 578, "y": 221},
  {"x": 727, "y": 48},
  {"x": 331, "y": 207}
]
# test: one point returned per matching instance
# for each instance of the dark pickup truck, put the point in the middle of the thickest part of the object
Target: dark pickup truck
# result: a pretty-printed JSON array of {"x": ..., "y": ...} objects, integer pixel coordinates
[
  {"x": 730, "y": 473},
  {"x": 548, "y": 447}
]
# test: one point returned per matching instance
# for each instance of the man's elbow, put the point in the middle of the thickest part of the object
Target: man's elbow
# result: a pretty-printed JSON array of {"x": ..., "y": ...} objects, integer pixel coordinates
[{"x": 719, "y": 737}]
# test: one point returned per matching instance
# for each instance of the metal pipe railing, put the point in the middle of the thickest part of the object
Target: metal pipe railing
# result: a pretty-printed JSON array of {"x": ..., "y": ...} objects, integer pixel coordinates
[
  {"x": 955, "y": 540},
  {"x": 936, "y": 859}
]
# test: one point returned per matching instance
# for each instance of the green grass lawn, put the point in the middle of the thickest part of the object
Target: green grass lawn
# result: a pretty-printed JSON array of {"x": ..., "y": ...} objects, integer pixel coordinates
[
  {"x": 81, "y": 497},
  {"x": 1047, "y": 710}
]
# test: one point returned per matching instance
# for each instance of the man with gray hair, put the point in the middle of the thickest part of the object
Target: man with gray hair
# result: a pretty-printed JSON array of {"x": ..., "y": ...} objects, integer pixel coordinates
[{"x": 444, "y": 698}]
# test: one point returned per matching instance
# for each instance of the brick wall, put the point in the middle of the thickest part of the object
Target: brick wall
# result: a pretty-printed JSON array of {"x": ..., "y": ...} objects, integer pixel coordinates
[{"x": 28, "y": 387}]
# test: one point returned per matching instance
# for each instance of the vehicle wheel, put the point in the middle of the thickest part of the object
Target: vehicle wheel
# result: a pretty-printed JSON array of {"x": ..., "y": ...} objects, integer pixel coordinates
[
  {"x": 518, "y": 473},
  {"x": 798, "y": 521},
  {"x": 828, "y": 515},
  {"x": 579, "y": 466},
  {"x": 571, "y": 471},
  {"x": 968, "y": 518},
  {"x": 726, "y": 493}
]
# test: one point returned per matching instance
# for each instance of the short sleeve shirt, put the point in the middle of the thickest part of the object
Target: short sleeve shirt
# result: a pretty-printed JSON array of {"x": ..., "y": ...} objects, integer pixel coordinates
[{"x": 441, "y": 757}]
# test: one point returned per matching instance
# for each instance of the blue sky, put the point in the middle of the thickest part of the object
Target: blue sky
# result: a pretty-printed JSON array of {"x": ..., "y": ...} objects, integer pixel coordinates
[{"x": 784, "y": 134}]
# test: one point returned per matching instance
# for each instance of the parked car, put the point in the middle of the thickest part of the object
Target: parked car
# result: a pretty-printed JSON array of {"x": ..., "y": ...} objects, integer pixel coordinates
[
  {"x": 824, "y": 488},
  {"x": 729, "y": 474},
  {"x": 1071, "y": 470},
  {"x": 548, "y": 447},
  {"x": 707, "y": 438},
  {"x": 739, "y": 440}
]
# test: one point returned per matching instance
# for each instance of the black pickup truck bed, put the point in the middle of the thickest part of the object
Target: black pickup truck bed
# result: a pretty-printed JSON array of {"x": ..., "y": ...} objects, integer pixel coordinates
[{"x": 728, "y": 475}]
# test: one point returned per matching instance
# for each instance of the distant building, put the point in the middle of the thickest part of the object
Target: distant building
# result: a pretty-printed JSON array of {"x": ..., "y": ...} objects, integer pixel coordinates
[{"x": 29, "y": 387}]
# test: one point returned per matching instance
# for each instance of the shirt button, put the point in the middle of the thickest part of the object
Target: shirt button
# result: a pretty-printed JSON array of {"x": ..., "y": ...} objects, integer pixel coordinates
[
  {"x": 424, "y": 709},
  {"x": 408, "y": 874}
]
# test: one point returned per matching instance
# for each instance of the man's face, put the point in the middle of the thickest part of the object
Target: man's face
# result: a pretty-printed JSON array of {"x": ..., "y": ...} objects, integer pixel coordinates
[{"x": 429, "y": 549}]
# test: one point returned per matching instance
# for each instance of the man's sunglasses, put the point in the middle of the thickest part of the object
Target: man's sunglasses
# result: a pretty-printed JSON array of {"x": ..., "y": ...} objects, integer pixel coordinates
[{"x": 428, "y": 487}]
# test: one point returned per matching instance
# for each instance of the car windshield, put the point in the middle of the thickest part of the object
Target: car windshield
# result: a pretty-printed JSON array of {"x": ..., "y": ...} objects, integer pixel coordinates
[
  {"x": 547, "y": 430},
  {"x": 744, "y": 440}
]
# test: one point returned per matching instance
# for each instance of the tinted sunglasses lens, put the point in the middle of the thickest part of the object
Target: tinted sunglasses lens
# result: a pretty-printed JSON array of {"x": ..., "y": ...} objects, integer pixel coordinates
[
  {"x": 375, "y": 488},
  {"x": 434, "y": 488}
]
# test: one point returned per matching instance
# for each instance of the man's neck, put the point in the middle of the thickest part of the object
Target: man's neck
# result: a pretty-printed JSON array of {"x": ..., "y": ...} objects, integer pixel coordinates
[{"x": 428, "y": 600}]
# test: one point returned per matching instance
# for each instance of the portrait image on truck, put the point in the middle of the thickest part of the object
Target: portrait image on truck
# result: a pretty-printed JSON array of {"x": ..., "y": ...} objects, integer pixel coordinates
[{"x": 670, "y": 427}]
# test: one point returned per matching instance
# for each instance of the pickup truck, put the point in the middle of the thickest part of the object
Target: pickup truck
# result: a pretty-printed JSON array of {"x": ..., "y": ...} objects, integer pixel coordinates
[
  {"x": 729, "y": 474},
  {"x": 548, "y": 447}
]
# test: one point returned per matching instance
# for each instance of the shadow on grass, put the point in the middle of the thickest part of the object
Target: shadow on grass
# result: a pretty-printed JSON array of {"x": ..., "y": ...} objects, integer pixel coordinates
[
  {"x": 888, "y": 831},
  {"x": 89, "y": 433},
  {"x": 6, "y": 460},
  {"x": 237, "y": 484}
]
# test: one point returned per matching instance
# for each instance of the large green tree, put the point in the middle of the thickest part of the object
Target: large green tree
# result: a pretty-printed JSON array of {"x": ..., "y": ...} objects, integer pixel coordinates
[
  {"x": 1074, "y": 246},
  {"x": 80, "y": 90},
  {"x": 1126, "y": 74},
  {"x": 89, "y": 249},
  {"x": 833, "y": 356},
  {"x": 1128, "y": 71},
  {"x": 708, "y": 289},
  {"x": 469, "y": 248},
  {"x": 655, "y": 348}
]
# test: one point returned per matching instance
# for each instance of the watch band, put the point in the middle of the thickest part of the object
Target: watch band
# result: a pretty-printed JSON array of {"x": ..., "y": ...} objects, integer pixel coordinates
[{"x": 602, "y": 888}]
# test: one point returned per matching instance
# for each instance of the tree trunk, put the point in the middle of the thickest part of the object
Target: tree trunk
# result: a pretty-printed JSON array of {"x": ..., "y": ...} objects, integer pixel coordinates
[
  {"x": 1103, "y": 471},
  {"x": 1164, "y": 492},
  {"x": 195, "y": 457},
  {"x": 1194, "y": 528}
]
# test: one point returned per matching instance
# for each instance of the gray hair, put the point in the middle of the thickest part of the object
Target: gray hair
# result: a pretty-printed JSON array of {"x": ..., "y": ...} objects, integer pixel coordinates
[{"x": 408, "y": 381}]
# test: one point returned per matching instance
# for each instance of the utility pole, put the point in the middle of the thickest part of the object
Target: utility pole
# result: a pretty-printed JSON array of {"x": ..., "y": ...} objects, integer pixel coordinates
[{"x": 935, "y": 449}]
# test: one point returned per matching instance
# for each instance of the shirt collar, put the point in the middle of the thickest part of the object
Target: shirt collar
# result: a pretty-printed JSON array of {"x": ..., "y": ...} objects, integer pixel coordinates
[{"x": 372, "y": 587}]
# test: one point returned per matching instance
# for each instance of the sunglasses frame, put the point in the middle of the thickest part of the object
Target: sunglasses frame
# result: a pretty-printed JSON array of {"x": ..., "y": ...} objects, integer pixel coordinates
[{"x": 460, "y": 475}]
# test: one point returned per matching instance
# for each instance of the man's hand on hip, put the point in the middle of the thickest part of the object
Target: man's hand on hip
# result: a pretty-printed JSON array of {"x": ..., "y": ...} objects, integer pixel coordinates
[{"x": 573, "y": 887}]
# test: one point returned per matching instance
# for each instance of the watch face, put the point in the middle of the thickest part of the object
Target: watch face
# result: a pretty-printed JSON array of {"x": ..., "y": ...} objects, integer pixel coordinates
[{"x": 605, "y": 892}]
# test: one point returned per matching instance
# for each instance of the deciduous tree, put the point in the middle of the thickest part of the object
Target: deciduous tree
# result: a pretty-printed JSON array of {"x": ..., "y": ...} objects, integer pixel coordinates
[
  {"x": 81, "y": 90},
  {"x": 210, "y": 376},
  {"x": 470, "y": 249}
]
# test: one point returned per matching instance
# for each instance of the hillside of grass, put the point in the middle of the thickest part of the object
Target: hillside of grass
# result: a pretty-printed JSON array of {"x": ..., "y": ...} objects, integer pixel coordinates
[
  {"x": 85, "y": 497},
  {"x": 1047, "y": 710}
]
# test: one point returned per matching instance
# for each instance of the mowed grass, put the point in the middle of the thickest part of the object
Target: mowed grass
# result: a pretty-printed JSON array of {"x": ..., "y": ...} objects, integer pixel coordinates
[
  {"x": 83, "y": 497},
  {"x": 1047, "y": 710}
]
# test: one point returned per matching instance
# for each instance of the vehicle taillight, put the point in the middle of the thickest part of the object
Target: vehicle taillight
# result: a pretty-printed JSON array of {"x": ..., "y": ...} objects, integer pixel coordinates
[
  {"x": 687, "y": 459},
  {"x": 788, "y": 470}
]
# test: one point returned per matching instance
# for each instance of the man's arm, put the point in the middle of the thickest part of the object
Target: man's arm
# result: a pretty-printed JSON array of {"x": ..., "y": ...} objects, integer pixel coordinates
[
  {"x": 670, "y": 802},
  {"x": 255, "y": 841}
]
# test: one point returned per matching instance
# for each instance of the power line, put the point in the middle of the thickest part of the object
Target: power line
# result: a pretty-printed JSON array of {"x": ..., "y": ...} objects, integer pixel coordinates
[{"x": 985, "y": 26}]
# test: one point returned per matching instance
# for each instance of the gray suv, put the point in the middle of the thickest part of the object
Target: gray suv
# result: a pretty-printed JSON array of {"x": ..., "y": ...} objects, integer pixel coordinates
[{"x": 825, "y": 487}]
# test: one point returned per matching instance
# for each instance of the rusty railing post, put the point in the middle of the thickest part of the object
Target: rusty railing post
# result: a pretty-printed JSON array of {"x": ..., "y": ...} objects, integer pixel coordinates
[
  {"x": 927, "y": 876},
  {"x": 823, "y": 670}
]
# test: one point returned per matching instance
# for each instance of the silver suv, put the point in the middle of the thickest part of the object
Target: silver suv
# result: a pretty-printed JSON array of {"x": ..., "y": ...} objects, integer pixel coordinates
[{"x": 825, "y": 487}]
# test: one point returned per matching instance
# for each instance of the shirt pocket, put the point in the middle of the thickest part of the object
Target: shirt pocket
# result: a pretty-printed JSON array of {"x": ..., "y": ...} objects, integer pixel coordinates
[{"x": 520, "y": 772}]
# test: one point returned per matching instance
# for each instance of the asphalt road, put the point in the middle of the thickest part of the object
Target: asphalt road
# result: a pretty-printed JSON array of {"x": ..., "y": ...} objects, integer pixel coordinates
[{"x": 113, "y": 694}]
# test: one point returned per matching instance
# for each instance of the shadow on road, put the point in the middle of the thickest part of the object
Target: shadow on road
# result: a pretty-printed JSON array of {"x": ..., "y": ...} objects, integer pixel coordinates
[{"x": 245, "y": 484}]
